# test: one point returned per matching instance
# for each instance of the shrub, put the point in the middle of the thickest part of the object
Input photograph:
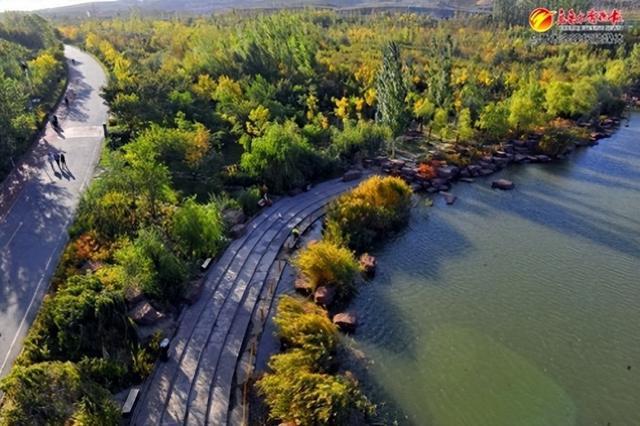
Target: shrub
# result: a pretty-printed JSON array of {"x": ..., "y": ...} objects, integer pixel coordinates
[
  {"x": 52, "y": 393},
  {"x": 82, "y": 319},
  {"x": 303, "y": 324},
  {"x": 560, "y": 135},
  {"x": 326, "y": 263},
  {"x": 376, "y": 206},
  {"x": 148, "y": 264},
  {"x": 295, "y": 392},
  {"x": 248, "y": 199},
  {"x": 282, "y": 158},
  {"x": 364, "y": 136},
  {"x": 197, "y": 229}
]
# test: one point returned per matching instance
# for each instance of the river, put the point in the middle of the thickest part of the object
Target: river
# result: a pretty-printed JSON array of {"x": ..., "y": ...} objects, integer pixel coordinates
[{"x": 514, "y": 308}]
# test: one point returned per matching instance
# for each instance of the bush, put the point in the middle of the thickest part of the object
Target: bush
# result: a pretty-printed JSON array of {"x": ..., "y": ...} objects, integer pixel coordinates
[
  {"x": 82, "y": 319},
  {"x": 364, "y": 136},
  {"x": 296, "y": 392},
  {"x": 303, "y": 324},
  {"x": 148, "y": 264},
  {"x": 326, "y": 263},
  {"x": 52, "y": 393},
  {"x": 376, "y": 206},
  {"x": 560, "y": 135},
  {"x": 282, "y": 158},
  {"x": 248, "y": 199},
  {"x": 197, "y": 229}
]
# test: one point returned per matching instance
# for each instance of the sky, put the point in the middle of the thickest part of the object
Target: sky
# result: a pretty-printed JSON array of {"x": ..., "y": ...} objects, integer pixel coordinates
[{"x": 36, "y": 4}]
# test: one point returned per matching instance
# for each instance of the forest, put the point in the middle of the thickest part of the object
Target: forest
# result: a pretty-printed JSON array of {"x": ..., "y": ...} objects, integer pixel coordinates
[
  {"x": 32, "y": 76},
  {"x": 209, "y": 113}
]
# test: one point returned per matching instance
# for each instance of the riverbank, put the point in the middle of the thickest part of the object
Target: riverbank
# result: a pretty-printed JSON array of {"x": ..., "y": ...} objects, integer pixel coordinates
[
  {"x": 513, "y": 152},
  {"x": 452, "y": 163},
  {"x": 528, "y": 293}
]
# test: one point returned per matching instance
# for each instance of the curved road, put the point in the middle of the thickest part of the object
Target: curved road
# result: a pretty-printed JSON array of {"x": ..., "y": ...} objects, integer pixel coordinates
[
  {"x": 38, "y": 201},
  {"x": 194, "y": 386}
]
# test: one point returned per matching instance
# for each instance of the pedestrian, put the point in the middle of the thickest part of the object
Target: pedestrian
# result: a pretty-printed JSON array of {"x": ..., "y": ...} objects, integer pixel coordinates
[
  {"x": 56, "y": 157},
  {"x": 66, "y": 101},
  {"x": 295, "y": 233},
  {"x": 55, "y": 121},
  {"x": 63, "y": 160}
]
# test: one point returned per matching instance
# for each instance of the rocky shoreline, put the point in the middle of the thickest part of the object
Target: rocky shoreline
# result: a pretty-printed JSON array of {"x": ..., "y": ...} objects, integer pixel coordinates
[{"x": 437, "y": 176}]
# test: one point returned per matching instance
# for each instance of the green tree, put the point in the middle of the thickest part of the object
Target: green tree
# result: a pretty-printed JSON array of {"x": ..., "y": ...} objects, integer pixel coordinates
[
  {"x": 559, "y": 99},
  {"x": 392, "y": 92},
  {"x": 197, "y": 229},
  {"x": 525, "y": 107},
  {"x": 282, "y": 158},
  {"x": 494, "y": 120}
]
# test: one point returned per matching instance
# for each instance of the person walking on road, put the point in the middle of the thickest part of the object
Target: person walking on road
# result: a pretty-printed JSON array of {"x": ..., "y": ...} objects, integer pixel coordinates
[
  {"x": 66, "y": 101},
  {"x": 63, "y": 161},
  {"x": 50, "y": 159}
]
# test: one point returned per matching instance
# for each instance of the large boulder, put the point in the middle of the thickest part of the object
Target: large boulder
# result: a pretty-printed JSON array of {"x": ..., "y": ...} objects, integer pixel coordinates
[
  {"x": 324, "y": 295},
  {"x": 346, "y": 321},
  {"x": 233, "y": 217},
  {"x": 368, "y": 265},
  {"x": 352, "y": 175},
  {"x": 503, "y": 184},
  {"x": 145, "y": 314}
]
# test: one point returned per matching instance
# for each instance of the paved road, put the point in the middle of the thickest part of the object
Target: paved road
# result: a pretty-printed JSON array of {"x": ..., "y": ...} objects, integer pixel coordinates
[
  {"x": 39, "y": 199},
  {"x": 195, "y": 386}
]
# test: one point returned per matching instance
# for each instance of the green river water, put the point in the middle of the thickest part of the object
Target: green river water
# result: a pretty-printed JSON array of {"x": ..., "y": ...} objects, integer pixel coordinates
[{"x": 514, "y": 308}]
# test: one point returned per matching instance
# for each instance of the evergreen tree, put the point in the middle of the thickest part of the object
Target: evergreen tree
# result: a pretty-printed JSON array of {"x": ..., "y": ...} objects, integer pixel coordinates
[{"x": 392, "y": 91}]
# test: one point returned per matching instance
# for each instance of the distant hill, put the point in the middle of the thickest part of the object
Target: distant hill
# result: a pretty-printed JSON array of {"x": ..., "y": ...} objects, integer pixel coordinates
[
  {"x": 208, "y": 6},
  {"x": 154, "y": 7}
]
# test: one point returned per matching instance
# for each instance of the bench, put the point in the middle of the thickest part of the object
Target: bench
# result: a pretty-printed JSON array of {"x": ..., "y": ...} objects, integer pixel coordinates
[
  {"x": 205, "y": 265},
  {"x": 130, "y": 403}
]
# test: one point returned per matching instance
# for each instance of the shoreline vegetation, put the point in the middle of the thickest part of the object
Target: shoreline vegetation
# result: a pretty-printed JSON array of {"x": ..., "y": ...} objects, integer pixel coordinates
[
  {"x": 303, "y": 385},
  {"x": 211, "y": 115}
]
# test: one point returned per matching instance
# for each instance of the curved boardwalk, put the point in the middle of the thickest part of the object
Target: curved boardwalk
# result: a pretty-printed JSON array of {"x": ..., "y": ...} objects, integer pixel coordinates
[
  {"x": 38, "y": 201},
  {"x": 194, "y": 387}
]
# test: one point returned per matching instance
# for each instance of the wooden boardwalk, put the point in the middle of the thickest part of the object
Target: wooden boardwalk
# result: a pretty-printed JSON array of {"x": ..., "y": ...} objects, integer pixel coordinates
[{"x": 194, "y": 387}]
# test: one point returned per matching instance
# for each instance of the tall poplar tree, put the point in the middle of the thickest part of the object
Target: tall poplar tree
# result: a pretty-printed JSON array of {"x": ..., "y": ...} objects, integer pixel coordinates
[{"x": 392, "y": 91}]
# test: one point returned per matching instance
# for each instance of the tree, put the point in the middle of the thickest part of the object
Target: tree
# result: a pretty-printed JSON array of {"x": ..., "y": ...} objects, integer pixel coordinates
[
  {"x": 494, "y": 120},
  {"x": 282, "y": 158},
  {"x": 559, "y": 99},
  {"x": 423, "y": 110},
  {"x": 525, "y": 107},
  {"x": 465, "y": 128},
  {"x": 391, "y": 93},
  {"x": 197, "y": 229}
]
